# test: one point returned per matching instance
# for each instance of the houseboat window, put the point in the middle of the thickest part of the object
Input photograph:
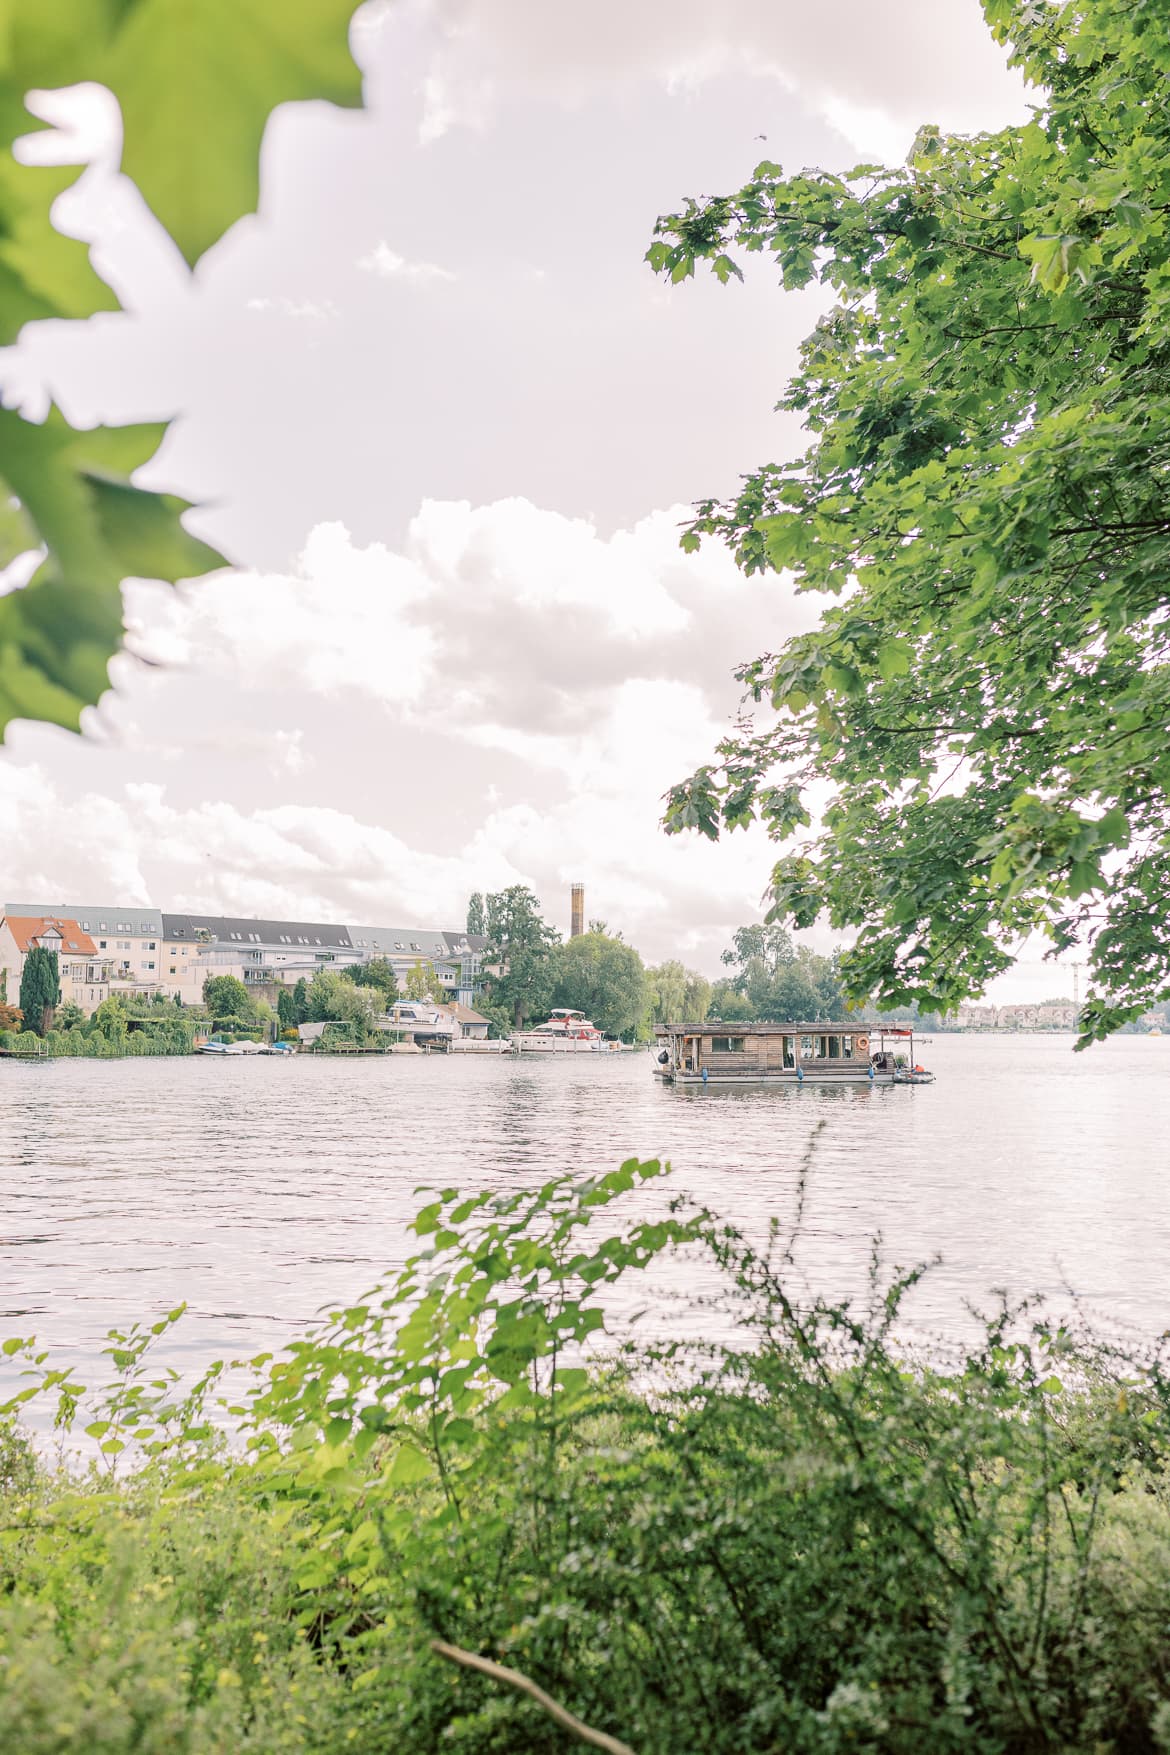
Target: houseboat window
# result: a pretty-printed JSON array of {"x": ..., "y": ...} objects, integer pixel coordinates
[
  {"x": 834, "y": 1047},
  {"x": 790, "y": 1051},
  {"x": 847, "y": 1047},
  {"x": 822, "y": 1047},
  {"x": 806, "y": 1048},
  {"x": 727, "y": 1044}
]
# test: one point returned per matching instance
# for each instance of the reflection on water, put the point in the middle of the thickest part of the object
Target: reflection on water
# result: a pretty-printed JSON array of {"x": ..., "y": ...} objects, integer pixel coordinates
[{"x": 260, "y": 1190}]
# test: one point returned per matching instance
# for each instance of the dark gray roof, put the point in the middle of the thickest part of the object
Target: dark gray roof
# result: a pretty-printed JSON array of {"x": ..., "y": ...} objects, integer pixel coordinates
[
  {"x": 402, "y": 941},
  {"x": 461, "y": 942},
  {"x": 107, "y": 917},
  {"x": 230, "y": 931}
]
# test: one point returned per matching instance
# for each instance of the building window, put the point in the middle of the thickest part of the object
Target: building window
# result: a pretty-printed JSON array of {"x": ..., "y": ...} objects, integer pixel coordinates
[
  {"x": 101, "y": 944},
  {"x": 727, "y": 1044},
  {"x": 174, "y": 953},
  {"x": 173, "y": 971},
  {"x": 150, "y": 965},
  {"x": 152, "y": 947}
]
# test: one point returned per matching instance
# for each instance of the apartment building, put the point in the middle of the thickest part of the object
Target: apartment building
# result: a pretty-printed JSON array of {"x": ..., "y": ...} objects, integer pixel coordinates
[
  {"x": 83, "y": 970},
  {"x": 256, "y": 952},
  {"x": 128, "y": 939},
  {"x": 150, "y": 950},
  {"x": 456, "y": 957}
]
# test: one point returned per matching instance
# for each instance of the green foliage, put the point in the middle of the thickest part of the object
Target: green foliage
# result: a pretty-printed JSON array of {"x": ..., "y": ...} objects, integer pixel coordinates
[
  {"x": 677, "y": 994},
  {"x": 518, "y": 960},
  {"x": 40, "y": 987},
  {"x": 330, "y": 996},
  {"x": 777, "y": 980},
  {"x": 422, "y": 983},
  {"x": 75, "y": 494},
  {"x": 602, "y": 977},
  {"x": 797, "y": 1541},
  {"x": 301, "y": 1000},
  {"x": 476, "y": 914},
  {"x": 226, "y": 996},
  {"x": 286, "y": 1009},
  {"x": 71, "y": 491},
  {"x": 377, "y": 974},
  {"x": 984, "y": 491}
]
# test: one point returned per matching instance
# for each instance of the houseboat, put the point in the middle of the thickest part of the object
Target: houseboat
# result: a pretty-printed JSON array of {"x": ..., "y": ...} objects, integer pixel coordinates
[
  {"x": 786, "y": 1054},
  {"x": 566, "y": 1032}
]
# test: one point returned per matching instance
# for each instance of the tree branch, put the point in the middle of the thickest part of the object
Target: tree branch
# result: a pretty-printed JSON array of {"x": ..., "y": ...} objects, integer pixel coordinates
[{"x": 568, "y": 1721}]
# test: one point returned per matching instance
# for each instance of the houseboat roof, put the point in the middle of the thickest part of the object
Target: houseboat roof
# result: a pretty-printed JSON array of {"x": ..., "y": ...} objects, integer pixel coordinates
[{"x": 753, "y": 1027}]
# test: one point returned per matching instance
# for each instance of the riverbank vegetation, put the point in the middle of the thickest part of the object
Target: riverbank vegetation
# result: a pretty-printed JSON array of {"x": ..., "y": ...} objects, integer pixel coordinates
[
  {"x": 800, "y": 1541},
  {"x": 121, "y": 1026}
]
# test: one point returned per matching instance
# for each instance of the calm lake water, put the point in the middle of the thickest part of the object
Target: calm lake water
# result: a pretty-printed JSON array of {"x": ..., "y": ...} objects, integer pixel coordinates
[{"x": 260, "y": 1190}]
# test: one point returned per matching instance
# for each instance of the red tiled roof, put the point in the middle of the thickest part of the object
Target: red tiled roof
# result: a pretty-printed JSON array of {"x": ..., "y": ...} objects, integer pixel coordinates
[{"x": 28, "y": 929}]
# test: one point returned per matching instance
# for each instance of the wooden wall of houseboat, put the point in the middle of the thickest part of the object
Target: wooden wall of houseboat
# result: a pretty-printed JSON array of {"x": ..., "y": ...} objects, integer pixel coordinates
[{"x": 749, "y": 1060}]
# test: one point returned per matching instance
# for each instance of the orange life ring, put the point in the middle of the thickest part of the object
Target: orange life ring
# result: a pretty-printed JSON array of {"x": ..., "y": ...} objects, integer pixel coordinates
[{"x": 861, "y": 1043}]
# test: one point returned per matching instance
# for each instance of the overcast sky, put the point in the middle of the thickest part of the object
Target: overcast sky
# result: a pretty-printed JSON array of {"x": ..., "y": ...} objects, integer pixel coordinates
[{"x": 446, "y": 423}]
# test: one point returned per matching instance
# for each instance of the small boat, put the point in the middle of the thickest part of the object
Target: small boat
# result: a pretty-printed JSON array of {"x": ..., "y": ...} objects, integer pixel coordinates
[
  {"x": 786, "y": 1054},
  {"x": 566, "y": 1032}
]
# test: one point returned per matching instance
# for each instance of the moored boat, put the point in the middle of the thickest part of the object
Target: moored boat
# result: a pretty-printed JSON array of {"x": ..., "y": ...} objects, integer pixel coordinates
[
  {"x": 566, "y": 1032},
  {"x": 786, "y": 1054}
]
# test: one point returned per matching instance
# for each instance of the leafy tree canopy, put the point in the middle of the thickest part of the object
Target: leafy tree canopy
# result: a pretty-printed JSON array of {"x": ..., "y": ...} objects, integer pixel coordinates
[
  {"x": 66, "y": 492},
  {"x": 226, "y": 996},
  {"x": 677, "y": 994},
  {"x": 378, "y": 974},
  {"x": 40, "y": 989},
  {"x": 602, "y": 977},
  {"x": 519, "y": 954},
  {"x": 476, "y": 914},
  {"x": 423, "y": 983},
  {"x": 985, "y": 494},
  {"x": 331, "y": 997},
  {"x": 777, "y": 980}
]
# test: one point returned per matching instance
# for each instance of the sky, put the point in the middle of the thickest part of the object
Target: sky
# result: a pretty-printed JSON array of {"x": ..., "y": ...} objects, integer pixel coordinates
[{"x": 446, "y": 424}]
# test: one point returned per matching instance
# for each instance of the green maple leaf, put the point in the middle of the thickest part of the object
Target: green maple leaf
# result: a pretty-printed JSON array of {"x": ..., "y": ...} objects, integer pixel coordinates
[
  {"x": 197, "y": 79},
  {"x": 74, "y": 498}
]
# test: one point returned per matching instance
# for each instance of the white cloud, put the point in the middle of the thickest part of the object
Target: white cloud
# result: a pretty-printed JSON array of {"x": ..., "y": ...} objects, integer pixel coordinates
[
  {"x": 568, "y": 676},
  {"x": 876, "y": 71},
  {"x": 389, "y": 265}
]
